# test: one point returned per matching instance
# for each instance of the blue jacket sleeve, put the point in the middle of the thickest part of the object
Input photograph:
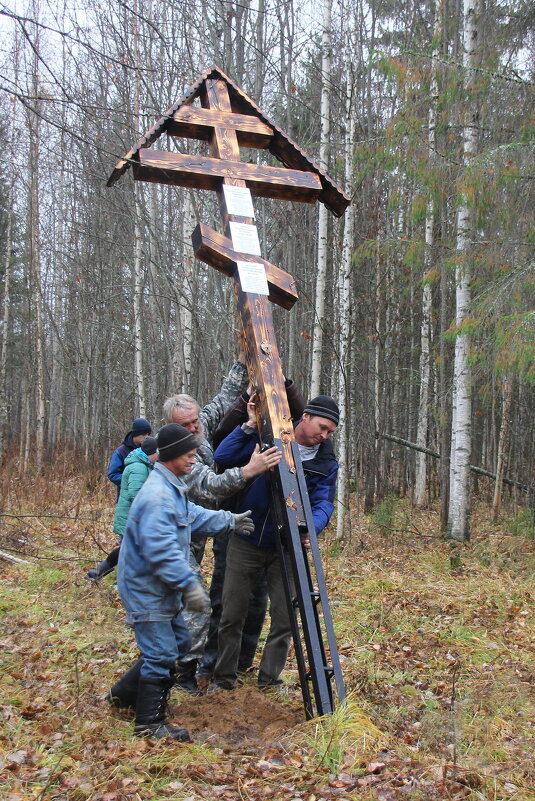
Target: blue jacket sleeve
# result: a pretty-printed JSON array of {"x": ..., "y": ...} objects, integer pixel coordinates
[
  {"x": 208, "y": 521},
  {"x": 235, "y": 449},
  {"x": 321, "y": 492},
  {"x": 115, "y": 470}
]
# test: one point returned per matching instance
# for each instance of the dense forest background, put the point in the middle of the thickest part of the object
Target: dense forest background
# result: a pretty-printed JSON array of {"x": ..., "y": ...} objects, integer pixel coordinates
[{"x": 416, "y": 307}]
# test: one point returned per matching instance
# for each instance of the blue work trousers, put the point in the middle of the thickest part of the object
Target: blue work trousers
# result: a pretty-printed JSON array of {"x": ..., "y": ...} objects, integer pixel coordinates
[{"x": 161, "y": 643}]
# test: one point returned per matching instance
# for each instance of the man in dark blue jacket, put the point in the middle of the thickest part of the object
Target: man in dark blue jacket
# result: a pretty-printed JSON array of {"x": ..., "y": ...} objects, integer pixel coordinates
[
  {"x": 248, "y": 555},
  {"x": 141, "y": 428}
]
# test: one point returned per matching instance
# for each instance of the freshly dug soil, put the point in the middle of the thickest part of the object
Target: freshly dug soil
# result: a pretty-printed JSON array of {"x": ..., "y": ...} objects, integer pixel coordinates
[{"x": 245, "y": 720}]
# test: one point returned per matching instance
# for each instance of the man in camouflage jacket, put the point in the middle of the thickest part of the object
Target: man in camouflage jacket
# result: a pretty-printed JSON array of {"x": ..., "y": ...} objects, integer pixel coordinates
[{"x": 205, "y": 486}]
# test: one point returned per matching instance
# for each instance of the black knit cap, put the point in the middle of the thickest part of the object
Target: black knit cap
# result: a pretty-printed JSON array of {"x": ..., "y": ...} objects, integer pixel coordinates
[
  {"x": 174, "y": 440},
  {"x": 324, "y": 406},
  {"x": 149, "y": 446},
  {"x": 140, "y": 426}
]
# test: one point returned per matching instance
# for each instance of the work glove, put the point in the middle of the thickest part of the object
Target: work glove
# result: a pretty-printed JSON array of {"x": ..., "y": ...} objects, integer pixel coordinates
[
  {"x": 243, "y": 523},
  {"x": 196, "y": 598}
]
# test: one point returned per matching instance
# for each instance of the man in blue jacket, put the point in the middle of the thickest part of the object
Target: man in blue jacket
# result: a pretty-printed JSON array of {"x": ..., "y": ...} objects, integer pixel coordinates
[
  {"x": 156, "y": 581},
  {"x": 249, "y": 554}
]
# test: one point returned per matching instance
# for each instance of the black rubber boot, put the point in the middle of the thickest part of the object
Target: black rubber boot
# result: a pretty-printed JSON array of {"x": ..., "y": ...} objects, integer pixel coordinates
[
  {"x": 105, "y": 566},
  {"x": 186, "y": 676},
  {"x": 150, "y": 711},
  {"x": 123, "y": 694}
]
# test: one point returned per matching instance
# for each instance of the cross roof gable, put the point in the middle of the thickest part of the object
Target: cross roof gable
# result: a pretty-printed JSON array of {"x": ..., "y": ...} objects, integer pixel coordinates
[{"x": 281, "y": 146}]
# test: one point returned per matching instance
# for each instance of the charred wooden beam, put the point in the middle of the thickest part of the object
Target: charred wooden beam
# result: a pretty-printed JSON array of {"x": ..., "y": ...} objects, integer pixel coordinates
[
  {"x": 202, "y": 172},
  {"x": 198, "y": 123},
  {"x": 216, "y": 250},
  {"x": 284, "y": 150}
]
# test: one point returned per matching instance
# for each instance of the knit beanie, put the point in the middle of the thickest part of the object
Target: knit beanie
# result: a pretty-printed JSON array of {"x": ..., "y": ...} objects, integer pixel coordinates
[
  {"x": 149, "y": 446},
  {"x": 174, "y": 440},
  {"x": 140, "y": 426},
  {"x": 324, "y": 406}
]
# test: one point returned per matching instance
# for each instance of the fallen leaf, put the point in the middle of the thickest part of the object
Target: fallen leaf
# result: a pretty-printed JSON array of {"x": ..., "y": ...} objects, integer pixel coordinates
[
  {"x": 375, "y": 767},
  {"x": 17, "y": 757}
]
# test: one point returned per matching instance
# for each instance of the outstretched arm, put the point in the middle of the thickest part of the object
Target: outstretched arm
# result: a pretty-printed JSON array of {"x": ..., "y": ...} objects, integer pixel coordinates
[{"x": 213, "y": 412}]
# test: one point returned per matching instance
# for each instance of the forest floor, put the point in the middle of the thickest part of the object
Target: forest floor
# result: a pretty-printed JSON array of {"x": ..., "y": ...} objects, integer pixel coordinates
[{"x": 437, "y": 647}]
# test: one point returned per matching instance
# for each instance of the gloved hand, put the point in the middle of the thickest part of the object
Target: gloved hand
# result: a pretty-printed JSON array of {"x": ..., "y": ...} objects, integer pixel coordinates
[
  {"x": 243, "y": 523},
  {"x": 195, "y": 597}
]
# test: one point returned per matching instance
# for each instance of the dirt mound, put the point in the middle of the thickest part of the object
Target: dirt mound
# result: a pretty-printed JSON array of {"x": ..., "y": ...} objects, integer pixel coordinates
[{"x": 246, "y": 719}]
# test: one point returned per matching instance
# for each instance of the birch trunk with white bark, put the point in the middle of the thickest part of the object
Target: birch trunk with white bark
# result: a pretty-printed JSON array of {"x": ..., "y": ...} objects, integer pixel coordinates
[
  {"x": 37, "y": 338},
  {"x": 186, "y": 297},
  {"x": 138, "y": 249},
  {"x": 137, "y": 303},
  {"x": 7, "y": 287},
  {"x": 459, "y": 511},
  {"x": 325, "y": 111},
  {"x": 420, "y": 481},
  {"x": 344, "y": 394}
]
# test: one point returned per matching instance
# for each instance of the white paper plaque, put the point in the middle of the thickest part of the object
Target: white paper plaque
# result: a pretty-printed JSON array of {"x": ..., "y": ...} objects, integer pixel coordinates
[
  {"x": 253, "y": 277},
  {"x": 238, "y": 200},
  {"x": 245, "y": 238}
]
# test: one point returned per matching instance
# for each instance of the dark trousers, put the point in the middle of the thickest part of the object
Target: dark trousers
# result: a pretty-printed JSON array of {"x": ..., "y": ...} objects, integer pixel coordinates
[
  {"x": 253, "y": 622},
  {"x": 245, "y": 563}
]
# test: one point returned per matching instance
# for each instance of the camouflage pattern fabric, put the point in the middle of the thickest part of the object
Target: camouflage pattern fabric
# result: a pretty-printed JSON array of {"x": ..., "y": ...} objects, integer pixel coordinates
[
  {"x": 198, "y": 624},
  {"x": 208, "y": 489},
  {"x": 205, "y": 486}
]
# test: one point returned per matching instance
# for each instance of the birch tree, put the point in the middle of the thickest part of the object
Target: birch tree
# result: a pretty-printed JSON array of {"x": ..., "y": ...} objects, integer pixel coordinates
[
  {"x": 420, "y": 478},
  {"x": 323, "y": 242},
  {"x": 184, "y": 337},
  {"x": 344, "y": 393},
  {"x": 9, "y": 241},
  {"x": 34, "y": 262},
  {"x": 138, "y": 246},
  {"x": 6, "y": 306},
  {"x": 459, "y": 511}
]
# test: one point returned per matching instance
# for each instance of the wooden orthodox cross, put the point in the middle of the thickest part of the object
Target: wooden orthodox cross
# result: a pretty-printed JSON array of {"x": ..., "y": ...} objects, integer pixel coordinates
[{"x": 227, "y": 119}]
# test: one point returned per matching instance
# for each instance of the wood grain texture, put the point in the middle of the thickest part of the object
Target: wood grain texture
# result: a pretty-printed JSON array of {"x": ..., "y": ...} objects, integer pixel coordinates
[
  {"x": 198, "y": 123},
  {"x": 239, "y": 104},
  {"x": 216, "y": 250},
  {"x": 203, "y": 172},
  {"x": 258, "y": 332}
]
